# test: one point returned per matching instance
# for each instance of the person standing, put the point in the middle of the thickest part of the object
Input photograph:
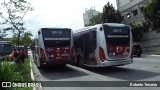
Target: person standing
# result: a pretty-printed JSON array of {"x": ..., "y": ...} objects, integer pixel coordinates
[
  {"x": 14, "y": 55},
  {"x": 22, "y": 55}
]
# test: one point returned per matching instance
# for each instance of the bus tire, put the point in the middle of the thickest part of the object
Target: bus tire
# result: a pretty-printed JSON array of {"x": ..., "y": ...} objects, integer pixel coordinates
[
  {"x": 39, "y": 67},
  {"x": 139, "y": 55},
  {"x": 38, "y": 64}
]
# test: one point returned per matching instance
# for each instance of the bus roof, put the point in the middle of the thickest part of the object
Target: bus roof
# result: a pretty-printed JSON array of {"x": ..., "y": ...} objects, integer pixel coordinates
[
  {"x": 109, "y": 24},
  {"x": 5, "y": 41},
  {"x": 115, "y": 24},
  {"x": 54, "y": 28}
]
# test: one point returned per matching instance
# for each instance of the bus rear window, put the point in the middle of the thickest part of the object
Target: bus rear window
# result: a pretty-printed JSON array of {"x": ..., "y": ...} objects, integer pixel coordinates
[
  {"x": 56, "y": 37},
  {"x": 5, "y": 48},
  {"x": 117, "y": 35},
  {"x": 56, "y": 34}
]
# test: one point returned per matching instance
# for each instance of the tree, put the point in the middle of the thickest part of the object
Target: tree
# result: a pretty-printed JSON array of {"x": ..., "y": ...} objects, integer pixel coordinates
[
  {"x": 152, "y": 14},
  {"x": 137, "y": 31},
  {"x": 110, "y": 15},
  {"x": 25, "y": 39},
  {"x": 12, "y": 13}
]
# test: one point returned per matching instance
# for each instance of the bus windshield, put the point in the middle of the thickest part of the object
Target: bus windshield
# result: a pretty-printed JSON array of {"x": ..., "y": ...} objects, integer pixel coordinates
[
  {"x": 5, "y": 48},
  {"x": 56, "y": 37},
  {"x": 117, "y": 35}
]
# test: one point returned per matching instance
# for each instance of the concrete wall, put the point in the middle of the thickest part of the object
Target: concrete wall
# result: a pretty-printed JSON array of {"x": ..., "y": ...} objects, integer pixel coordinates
[
  {"x": 151, "y": 43},
  {"x": 151, "y": 40},
  {"x": 124, "y": 5},
  {"x": 121, "y": 3},
  {"x": 128, "y": 7}
]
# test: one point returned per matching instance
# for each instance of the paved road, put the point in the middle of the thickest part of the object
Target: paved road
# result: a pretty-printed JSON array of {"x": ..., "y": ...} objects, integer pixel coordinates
[{"x": 145, "y": 68}]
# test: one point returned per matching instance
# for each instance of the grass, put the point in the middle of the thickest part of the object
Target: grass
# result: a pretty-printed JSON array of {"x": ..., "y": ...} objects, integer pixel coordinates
[
  {"x": 16, "y": 72},
  {"x": 26, "y": 73},
  {"x": 25, "y": 68}
]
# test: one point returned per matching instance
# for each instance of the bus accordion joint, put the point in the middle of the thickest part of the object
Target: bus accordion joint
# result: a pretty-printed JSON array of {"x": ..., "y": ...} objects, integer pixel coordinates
[{"x": 101, "y": 54}]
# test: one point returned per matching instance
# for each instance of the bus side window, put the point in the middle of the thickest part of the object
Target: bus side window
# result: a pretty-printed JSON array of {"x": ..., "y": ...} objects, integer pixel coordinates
[{"x": 79, "y": 47}]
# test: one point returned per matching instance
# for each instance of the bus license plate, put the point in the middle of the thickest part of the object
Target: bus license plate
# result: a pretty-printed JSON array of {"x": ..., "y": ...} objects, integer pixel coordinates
[
  {"x": 58, "y": 57},
  {"x": 58, "y": 54}
]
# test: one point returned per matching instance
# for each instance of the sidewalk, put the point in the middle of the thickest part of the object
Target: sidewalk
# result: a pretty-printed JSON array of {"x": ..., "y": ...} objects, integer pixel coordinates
[{"x": 151, "y": 56}]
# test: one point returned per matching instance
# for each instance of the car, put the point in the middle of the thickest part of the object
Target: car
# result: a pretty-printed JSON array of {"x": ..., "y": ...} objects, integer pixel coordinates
[{"x": 137, "y": 50}]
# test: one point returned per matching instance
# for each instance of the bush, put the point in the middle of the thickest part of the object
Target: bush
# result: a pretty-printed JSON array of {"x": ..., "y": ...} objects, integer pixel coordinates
[
  {"x": 137, "y": 31},
  {"x": 7, "y": 72},
  {"x": 25, "y": 70},
  {"x": 15, "y": 73}
]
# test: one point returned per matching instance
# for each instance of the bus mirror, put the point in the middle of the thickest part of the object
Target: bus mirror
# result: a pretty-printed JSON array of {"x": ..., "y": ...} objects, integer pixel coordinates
[
  {"x": 39, "y": 33},
  {"x": 100, "y": 28}
]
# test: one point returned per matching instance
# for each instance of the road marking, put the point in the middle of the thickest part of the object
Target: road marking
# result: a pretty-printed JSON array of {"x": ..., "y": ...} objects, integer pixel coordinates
[{"x": 102, "y": 77}]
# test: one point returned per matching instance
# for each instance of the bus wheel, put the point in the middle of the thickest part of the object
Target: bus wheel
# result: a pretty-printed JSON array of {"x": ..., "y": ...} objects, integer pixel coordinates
[
  {"x": 139, "y": 55},
  {"x": 39, "y": 66}
]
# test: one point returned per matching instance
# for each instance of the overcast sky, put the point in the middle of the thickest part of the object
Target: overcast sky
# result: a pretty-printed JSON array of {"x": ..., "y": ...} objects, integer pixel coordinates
[{"x": 60, "y": 13}]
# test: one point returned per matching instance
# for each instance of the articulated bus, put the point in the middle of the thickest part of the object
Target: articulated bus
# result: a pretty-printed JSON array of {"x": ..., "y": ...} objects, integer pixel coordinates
[
  {"x": 54, "y": 46},
  {"x": 102, "y": 45}
]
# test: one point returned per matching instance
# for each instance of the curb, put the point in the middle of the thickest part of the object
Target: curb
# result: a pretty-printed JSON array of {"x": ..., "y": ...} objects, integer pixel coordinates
[
  {"x": 151, "y": 56},
  {"x": 32, "y": 76}
]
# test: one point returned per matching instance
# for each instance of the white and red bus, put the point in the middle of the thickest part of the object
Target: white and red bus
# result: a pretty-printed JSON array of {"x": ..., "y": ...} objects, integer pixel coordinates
[
  {"x": 107, "y": 44},
  {"x": 54, "y": 46}
]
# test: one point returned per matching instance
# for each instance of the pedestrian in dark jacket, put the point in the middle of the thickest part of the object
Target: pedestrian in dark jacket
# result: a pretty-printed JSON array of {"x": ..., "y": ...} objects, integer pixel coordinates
[{"x": 22, "y": 55}]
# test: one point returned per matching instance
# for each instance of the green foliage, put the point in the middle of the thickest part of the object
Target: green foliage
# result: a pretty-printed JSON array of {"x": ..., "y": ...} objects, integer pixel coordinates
[
  {"x": 16, "y": 73},
  {"x": 25, "y": 70},
  {"x": 110, "y": 15},
  {"x": 146, "y": 26},
  {"x": 152, "y": 14},
  {"x": 14, "y": 39},
  {"x": 12, "y": 13},
  {"x": 25, "y": 40},
  {"x": 7, "y": 72},
  {"x": 137, "y": 31}
]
